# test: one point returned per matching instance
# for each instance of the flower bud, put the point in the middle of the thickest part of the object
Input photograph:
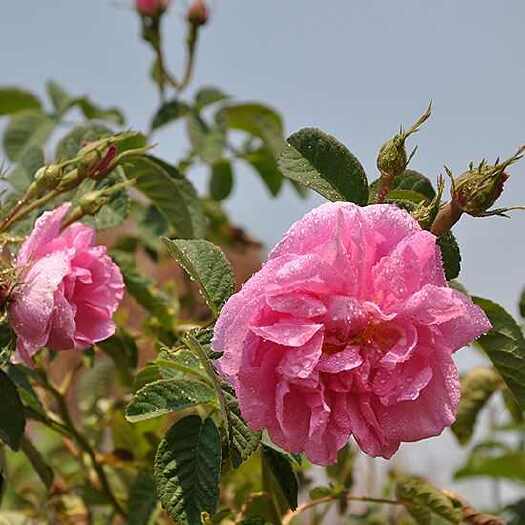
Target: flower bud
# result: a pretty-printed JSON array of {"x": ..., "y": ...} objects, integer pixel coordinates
[
  {"x": 198, "y": 13},
  {"x": 476, "y": 190},
  {"x": 426, "y": 212},
  {"x": 151, "y": 8},
  {"x": 392, "y": 158},
  {"x": 46, "y": 178}
]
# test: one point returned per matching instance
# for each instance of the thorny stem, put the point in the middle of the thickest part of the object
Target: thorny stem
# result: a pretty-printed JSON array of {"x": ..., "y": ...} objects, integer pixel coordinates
[
  {"x": 287, "y": 519},
  {"x": 447, "y": 216},
  {"x": 84, "y": 445},
  {"x": 28, "y": 209}
]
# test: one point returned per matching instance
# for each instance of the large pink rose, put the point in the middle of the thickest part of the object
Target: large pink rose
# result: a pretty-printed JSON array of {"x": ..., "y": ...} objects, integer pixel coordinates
[
  {"x": 348, "y": 329},
  {"x": 68, "y": 288}
]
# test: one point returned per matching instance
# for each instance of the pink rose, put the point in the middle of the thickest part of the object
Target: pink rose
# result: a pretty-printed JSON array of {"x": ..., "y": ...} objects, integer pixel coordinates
[
  {"x": 151, "y": 7},
  {"x": 348, "y": 329},
  {"x": 68, "y": 288}
]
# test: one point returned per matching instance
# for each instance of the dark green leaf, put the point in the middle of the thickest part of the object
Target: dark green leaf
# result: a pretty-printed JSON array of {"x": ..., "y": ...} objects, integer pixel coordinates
[
  {"x": 12, "y": 420},
  {"x": 320, "y": 162},
  {"x": 279, "y": 477},
  {"x": 221, "y": 180},
  {"x": 243, "y": 441},
  {"x": 20, "y": 375},
  {"x": 26, "y": 130},
  {"x": 505, "y": 347},
  {"x": 208, "y": 95},
  {"x": 172, "y": 194},
  {"x": 142, "y": 499},
  {"x": 450, "y": 255},
  {"x": 168, "y": 395},
  {"x": 13, "y": 100},
  {"x": 187, "y": 470},
  {"x": 169, "y": 112},
  {"x": 205, "y": 263},
  {"x": 409, "y": 180},
  {"x": 477, "y": 386},
  {"x": 257, "y": 120},
  {"x": 265, "y": 165},
  {"x": 43, "y": 470},
  {"x": 522, "y": 304}
]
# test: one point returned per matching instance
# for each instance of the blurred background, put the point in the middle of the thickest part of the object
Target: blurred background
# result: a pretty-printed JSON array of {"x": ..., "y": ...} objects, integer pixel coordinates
[{"x": 354, "y": 69}]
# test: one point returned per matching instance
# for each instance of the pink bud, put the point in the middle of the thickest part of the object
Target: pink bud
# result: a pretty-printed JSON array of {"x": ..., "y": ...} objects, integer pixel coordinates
[
  {"x": 151, "y": 7},
  {"x": 198, "y": 13}
]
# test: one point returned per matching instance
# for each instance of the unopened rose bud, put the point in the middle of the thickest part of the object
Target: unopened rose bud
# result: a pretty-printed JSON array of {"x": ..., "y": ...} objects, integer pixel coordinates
[
  {"x": 151, "y": 8},
  {"x": 392, "y": 158},
  {"x": 46, "y": 178},
  {"x": 476, "y": 190},
  {"x": 426, "y": 212},
  {"x": 198, "y": 13}
]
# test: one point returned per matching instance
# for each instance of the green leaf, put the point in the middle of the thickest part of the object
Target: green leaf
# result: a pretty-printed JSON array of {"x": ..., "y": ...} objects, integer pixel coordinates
[
  {"x": 450, "y": 255},
  {"x": 19, "y": 376},
  {"x": 63, "y": 102},
  {"x": 144, "y": 291},
  {"x": 505, "y": 347},
  {"x": 25, "y": 130},
  {"x": 409, "y": 180},
  {"x": 12, "y": 420},
  {"x": 221, "y": 180},
  {"x": 205, "y": 263},
  {"x": 477, "y": 387},
  {"x": 208, "y": 95},
  {"x": 187, "y": 470},
  {"x": 43, "y": 470},
  {"x": 263, "y": 162},
  {"x": 420, "y": 497},
  {"x": 320, "y": 162},
  {"x": 508, "y": 465},
  {"x": 13, "y": 100},
  {"x": 279, "y": 478},
  {"x": 257, "y": 120},
  {"x": 24, "y": 171},
  {"x": 521, "y": 304},
  {"x": 71, "y": 143},
  {"x": 243, "y": 441},
  {"x": 168, "y": 395},
  {"x": 171, "y": 193},
  {"x": 169, "y": 112},
  {"x": 142, "y": 499},
  {"x": 207, "y": 142}
]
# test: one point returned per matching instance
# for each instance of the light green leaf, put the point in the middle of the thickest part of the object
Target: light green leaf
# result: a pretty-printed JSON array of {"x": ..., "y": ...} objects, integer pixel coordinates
[
  {"x": 420, "y": 497},
  {"x": 63, "y": 102},
  {"x": 13, "y": 100},
  {"x": 71, "y": 143},
  {"x": 504, "y": 465},
  {"x": 505, "y": 347},
  {"x": 221, "y": 180},
  {"x": 257, "y": 120},
  {"x": 142, "y": 499},
  {"x": 263, "y": 162},
  {"x": 168, "y": 395},
  {"x": 12, "y": 420},
  {"x": 208, "y": 95},
  {"x": 24, "y": 171},
  {"x": 205, "y": 263},
  {"x": 477, "y": 387},
  {"x": 144, "y": 291},
  {"x": 187, "y": 470},
  {"x": 26, "y": 130},
  {"x": 172, "y": 194},
  {"x": 450, "y": 255},
  {"x": 207, "y": 142},
  {"x": 320, "y": 162},
  {"x": 169, "y": 112}
]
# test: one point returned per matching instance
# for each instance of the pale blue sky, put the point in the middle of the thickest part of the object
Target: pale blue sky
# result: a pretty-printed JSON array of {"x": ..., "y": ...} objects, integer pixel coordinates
[{"x": 357, "y": 69}]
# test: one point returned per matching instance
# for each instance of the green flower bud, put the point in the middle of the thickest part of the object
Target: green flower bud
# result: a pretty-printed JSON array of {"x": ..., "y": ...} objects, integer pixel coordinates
[
  {"x": 392, "y": 158},
  {"x": 426, "y": 212},
  {"x": 46, "y": 178},
  {"x": 477, "y": 189}
]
